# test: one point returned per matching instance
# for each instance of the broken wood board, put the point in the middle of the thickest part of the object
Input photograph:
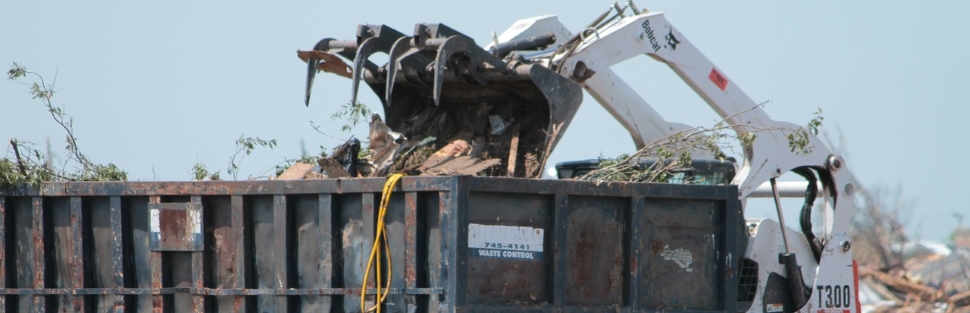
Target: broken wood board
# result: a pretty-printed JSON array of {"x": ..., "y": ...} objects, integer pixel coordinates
[{"x": 296, "y": 171}]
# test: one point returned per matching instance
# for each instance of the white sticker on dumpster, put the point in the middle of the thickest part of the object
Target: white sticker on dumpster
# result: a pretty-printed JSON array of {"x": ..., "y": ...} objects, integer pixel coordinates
[{"x": 505, "y": 242}]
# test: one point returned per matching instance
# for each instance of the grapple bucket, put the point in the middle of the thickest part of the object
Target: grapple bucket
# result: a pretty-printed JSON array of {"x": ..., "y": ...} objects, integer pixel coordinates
[{"x": 439, "y": 84}]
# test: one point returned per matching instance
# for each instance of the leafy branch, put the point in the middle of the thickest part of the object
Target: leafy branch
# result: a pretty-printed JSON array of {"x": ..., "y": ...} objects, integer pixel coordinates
[
  {"x": 200, "y": 172},
  {"x": 354, "y": 113},
  {"x": 675, "y": 152},
  {"x": 33, "y": 167},
  {"x": 244, "y": 147}
]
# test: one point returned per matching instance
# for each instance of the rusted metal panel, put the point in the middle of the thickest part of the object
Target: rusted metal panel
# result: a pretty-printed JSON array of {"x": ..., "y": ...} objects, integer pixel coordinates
[
  {"x": 593, "y": 239},
  {"x": 680, "y": 240},
  {"x": 226, "y": 249},
  {"x": 264, "y": 249},
  {"x": 59, "y": 212},
  {"x": 157, "y": 300},
  {"x": 105, "y": 257},
  {"x": 634, "y": 281},
  {"x": 349, "y": 263},
  {"x": 500, "y": 268},
  {"x": 449, "y": 219},
  {"x": 302, "y": 246},
  {"x": 117, "y": 277},
  {"x": 362, "y": 250},
  {"x": 197, "y": 271},
  {"x": 29, "y": 239},
  {"x": 411, "y": 230},
  {"x": 558, "y": 232},
  {"x": 139, "y": 265},
  {"x": 314, "y": 248},
  {"x": 76, "y": 265},
  {"x": 178, "y": 273},
  {"x": 394, "y": 225},
  {"x": 176, "y": 226},
  {"x": 281, "y": 250}
]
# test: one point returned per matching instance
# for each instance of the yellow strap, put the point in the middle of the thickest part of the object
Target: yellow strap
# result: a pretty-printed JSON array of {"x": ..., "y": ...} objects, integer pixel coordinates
[{"x": 375, "y": 252}]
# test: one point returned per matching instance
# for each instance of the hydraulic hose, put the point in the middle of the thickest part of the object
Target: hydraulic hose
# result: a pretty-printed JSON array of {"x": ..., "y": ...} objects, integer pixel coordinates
[
  {"x": 375, "y": 253},
  {"x": 805, "y": 218}
]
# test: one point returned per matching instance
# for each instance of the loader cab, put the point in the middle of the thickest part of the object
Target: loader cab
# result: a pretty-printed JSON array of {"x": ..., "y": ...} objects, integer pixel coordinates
[{"x": 701, "y": 172}]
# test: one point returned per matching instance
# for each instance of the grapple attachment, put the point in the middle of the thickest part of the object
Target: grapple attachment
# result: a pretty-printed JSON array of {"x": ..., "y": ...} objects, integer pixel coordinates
[{"x": 439, "y": 84}]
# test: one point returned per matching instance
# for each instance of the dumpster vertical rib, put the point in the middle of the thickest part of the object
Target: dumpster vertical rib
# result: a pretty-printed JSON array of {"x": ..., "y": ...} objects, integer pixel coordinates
[
  {"x": 104, "y": 253},
  {"x": 437, "y": 277},
  {"x": 395, "y": 228},
  {"x": 264, "y": 250},
  {"x": 156, "y": 270},
  {"x": 77, "y": 251},
  {"x": 139, "y": 257},
  {"x": 117, "y": 255},
  {"x": 61, "y": 252},
  {"x": 227, "y": 250},
  {"x": 326, "y": 229},
  {"x": 367, "y": 216},
  {"x": 410, "y": 246},
  {"x": 281, "y": 249},
  {"x": 558, "y": 281},
  {"x": 197, "y": 267},
  {"x": 732, "y": 225},
  {"x": 101, "y": 250},
  {"x": 37, "y": 238},
  {"x": 454, "y": 233},
  {"x": 3, "y": 250},
  {"x": 314, "y": 250},
  {"x": 637, "y": 206},
  {"x": 21, "y": 250},
  {"x": 237, "y": 222}
]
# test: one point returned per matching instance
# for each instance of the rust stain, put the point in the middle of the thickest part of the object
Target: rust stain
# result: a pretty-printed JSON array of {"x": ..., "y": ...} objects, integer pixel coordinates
[
  {"x": 38, "y": 240},
  {"x": 656, "y": 246},
  {"x": 410, "y": 226},
  {"x": 237, "y": 304}
]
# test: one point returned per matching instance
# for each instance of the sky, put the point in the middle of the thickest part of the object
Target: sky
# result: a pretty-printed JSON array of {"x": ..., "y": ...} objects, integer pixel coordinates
[{"x": 157, "y": 87}]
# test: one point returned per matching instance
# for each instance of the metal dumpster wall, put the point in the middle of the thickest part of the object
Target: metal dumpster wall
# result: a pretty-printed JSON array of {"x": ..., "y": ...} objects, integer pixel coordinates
[{"x": 301, "y": 246}]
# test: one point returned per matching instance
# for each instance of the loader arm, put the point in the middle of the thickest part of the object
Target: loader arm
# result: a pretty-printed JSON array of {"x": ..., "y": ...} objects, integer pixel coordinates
[
  {"x": 768, "y": 155},
  {"x": 643, "y": 123}
]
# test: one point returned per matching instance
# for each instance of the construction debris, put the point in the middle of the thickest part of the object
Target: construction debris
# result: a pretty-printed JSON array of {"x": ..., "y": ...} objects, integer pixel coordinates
[
  {"x": 385, "y": 145},
  {"x": 296, "y": 171},
  {"x": 932, "y": 278},
  {"x": 344, "y": 156},
  {"x": 458, "y": 157},
  {"x": 390, "y": 152}
]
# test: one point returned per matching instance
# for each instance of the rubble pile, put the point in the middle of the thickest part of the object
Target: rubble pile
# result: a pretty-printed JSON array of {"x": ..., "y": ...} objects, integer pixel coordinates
[{"x": 931, "y": 278}]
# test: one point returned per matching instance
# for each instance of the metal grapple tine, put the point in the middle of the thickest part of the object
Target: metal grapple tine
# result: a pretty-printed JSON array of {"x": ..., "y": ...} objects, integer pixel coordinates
[
  {"x": 400, "y": 47},
  {"x": 363, "y": 52},
  {"x": 312, "y": 64},
  {"x": 311, "y": 72},
  {"x": 371, "y": 39},
  {"x": 460, "y": 44}
]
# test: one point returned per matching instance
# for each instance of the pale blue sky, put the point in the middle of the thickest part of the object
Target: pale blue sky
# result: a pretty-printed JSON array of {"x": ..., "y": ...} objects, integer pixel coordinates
[{"x": 155, "y": 87}]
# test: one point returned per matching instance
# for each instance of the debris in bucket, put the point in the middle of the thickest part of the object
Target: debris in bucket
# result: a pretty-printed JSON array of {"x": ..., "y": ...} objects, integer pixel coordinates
[
  {"x": 389, "y": 151},
  {"x": 296, "y": 171},
  {"x": 344, "y": 156},
  {"x": 385, "y": 145},
  {"x": 330, "y": 168},
  {"x": 450, "y": 106}
]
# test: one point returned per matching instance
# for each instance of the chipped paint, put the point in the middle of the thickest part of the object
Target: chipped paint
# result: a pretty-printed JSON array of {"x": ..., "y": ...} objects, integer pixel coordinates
[{"x": 682, "y": 257}]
